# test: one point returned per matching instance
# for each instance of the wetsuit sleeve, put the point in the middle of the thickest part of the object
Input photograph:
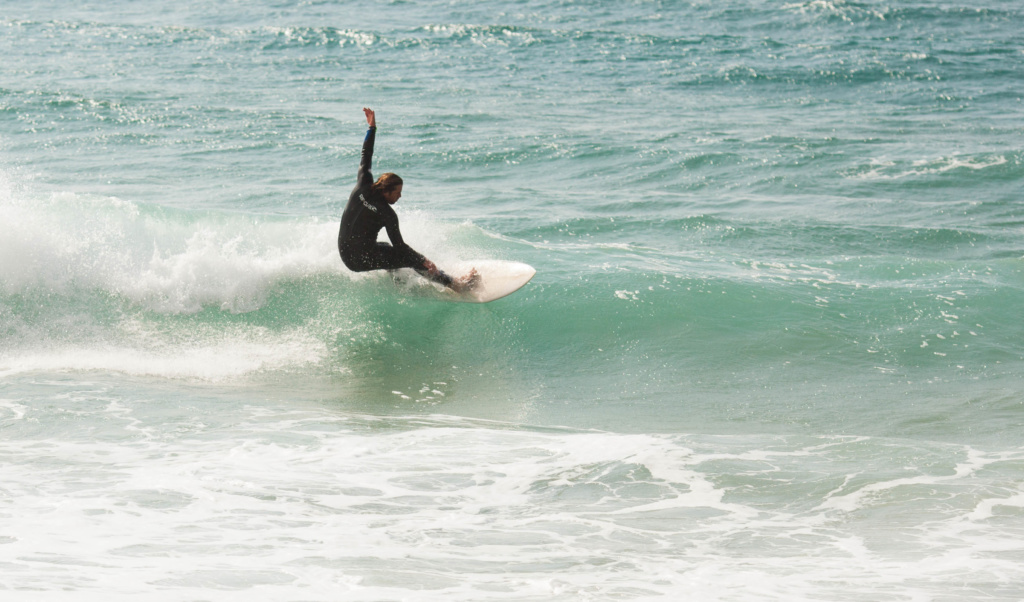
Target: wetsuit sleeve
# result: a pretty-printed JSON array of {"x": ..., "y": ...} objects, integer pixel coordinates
[
  {"x": 365, "y": 178},
  {"x": 398, "y": 243}
]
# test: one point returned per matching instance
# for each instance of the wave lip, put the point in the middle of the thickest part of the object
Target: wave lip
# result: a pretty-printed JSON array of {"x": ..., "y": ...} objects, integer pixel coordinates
[{"x": 162, "y": 262}]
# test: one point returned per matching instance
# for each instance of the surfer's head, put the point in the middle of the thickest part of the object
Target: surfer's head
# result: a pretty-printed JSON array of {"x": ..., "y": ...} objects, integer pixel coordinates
[{"x": 389, "y": 186}]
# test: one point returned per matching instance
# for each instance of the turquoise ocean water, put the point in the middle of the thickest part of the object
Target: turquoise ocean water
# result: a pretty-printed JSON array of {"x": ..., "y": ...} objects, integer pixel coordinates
[{"x": 774, "y": 349}]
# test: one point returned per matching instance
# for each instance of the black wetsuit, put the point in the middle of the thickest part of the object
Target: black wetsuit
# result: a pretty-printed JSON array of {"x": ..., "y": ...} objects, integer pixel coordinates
[{"x": 366, "y": 213}]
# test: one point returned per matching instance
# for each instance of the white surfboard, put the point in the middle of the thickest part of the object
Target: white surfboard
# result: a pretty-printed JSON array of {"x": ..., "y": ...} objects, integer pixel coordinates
[{"x": 497, "y": 279}]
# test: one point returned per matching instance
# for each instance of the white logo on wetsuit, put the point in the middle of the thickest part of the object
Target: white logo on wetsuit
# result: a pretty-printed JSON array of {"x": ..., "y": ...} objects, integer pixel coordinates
[{"x": 366, "y": 204}]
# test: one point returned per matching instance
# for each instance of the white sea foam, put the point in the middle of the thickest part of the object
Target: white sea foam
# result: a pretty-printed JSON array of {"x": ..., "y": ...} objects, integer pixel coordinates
[
  {"x": 895, "y": 170},
  {"x": 207, "y": 360},
  {"x": 168, "y": 264},
  {"x": 303, "y": 502}
]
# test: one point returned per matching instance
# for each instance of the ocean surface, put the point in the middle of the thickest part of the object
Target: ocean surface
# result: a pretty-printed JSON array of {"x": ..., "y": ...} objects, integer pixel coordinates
[{"x": 774, "y": 349}]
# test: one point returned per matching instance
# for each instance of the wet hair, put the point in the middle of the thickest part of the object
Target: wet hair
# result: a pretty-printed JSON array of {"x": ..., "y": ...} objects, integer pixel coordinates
[{"x": 387, "y": 182}]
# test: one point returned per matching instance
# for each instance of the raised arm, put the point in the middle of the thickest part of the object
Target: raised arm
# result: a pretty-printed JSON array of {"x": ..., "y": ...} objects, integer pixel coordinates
[{"x": 366, "y": 159}]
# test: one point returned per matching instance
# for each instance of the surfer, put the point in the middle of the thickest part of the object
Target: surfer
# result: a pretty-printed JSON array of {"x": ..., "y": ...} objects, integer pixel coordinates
[{"x": 368, "y": 210}]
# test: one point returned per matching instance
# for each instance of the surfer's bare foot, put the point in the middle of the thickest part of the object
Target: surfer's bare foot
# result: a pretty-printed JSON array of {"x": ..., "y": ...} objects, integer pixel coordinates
[{"x": 467, "y": 282}]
